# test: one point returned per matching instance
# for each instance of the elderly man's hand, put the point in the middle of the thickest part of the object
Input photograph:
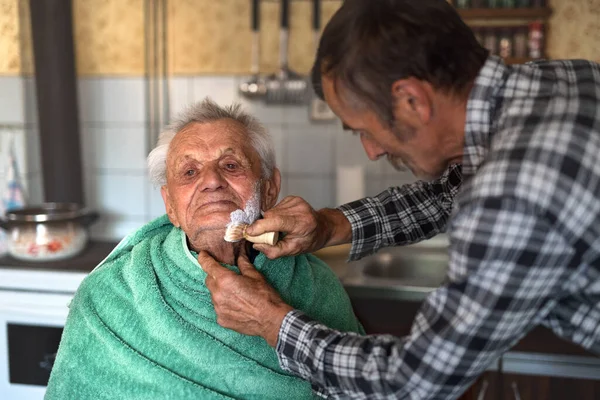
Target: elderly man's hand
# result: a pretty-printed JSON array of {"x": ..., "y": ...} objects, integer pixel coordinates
[
  {"x": 245, "y": 303},
  {"x": 306, "y": 230}
]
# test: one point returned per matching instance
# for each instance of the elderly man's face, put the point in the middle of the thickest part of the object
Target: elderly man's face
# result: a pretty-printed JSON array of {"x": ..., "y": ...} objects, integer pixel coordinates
[{"x": 212, "y": 170}]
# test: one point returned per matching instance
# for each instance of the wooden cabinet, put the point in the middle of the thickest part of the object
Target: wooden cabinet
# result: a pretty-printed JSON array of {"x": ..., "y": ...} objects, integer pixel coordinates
[
  {"x": 395, "y": 317},
  {"x": 506, "y": 386}
]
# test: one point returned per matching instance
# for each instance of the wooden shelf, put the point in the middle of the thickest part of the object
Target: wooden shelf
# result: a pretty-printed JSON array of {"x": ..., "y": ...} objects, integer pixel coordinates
[
  {"x": 518, "y": 60},
  {"x": 505, "y": 13}
]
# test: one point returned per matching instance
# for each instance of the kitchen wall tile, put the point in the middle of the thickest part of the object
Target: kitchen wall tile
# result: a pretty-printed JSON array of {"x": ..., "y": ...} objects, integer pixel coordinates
[
  {"x": 399, "y": 179},
  {"x": 35, "y": 188},
  {"x": 115, "y": 228},
  {"x": 309, "y": 151},
  {"x": 156, "y": 206},
  {"x": 374, "y": 186},
  {"x": 348, "y": 149},
  {"x": 180, "y": 94},
  {"x": 91, "y": 100},
  {"x": 279, "y": 135},
  {"x": 124, "y": 100},
  {"x": 296, "y": 115},
  {"x": 121, "y": 148},
  {"x": 30, "y": 96},
  {"x": 317, "y": 191},
  {"x": 32, "y": 144},
  {"x": 375, "y": 169},
  {"x": 18, "y": 140},
  {"x": 116, "y": 194},
  {"x": 11, "y": 100},
  {"x": 222, "y": 89},
  {"x": 91, "y": 140}
]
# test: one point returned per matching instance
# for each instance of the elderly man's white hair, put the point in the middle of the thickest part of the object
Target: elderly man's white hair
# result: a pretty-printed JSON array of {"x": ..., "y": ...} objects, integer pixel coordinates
[{"x": 209, "y": 111}]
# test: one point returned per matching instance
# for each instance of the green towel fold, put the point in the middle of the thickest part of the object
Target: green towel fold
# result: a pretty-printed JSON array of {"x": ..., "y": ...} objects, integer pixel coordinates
[{"x": 142, "y": 326}]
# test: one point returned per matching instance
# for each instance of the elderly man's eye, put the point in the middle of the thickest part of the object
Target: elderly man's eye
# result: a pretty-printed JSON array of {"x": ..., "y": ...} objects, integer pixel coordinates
[
  {"x": 190, "y": 172},
  {"x": 231, "y": 166}
]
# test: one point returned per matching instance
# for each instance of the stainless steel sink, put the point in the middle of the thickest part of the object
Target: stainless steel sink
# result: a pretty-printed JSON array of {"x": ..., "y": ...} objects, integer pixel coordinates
[{"x": 407, "y": 272}]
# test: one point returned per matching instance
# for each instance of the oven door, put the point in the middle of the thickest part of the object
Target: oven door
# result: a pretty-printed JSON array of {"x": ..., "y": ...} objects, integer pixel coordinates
[{"x": 30, "y": 329}]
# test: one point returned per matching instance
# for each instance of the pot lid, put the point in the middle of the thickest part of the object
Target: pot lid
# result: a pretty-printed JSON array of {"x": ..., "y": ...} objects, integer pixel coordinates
[{"x": 47, "y": 212}]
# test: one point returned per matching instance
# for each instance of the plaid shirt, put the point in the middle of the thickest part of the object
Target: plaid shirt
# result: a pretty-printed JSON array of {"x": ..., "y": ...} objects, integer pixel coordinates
[{"x": 524, "y": 242}]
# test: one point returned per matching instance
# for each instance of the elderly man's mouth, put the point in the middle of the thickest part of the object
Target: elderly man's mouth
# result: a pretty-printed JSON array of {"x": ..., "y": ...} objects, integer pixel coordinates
[{"x": 217, "y": 205}]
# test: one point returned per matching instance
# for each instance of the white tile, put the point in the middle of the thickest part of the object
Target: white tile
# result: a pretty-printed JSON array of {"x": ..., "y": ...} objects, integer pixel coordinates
[
  {"x": 348, "y": 149},
  {"x": 11, "y": 100},
  {"x": 155, "y": 201},
  {"x": 115, "y": 229},
  {"x": 318, "y": 192},
  {"x": 91, "y": 139},
  {"x": 375, "y": 186},
  {"x": 121, "y": 148},
  {"x": 91, "y": 100},
  {"x": 116, "y": 194},
  {"x": 31, "y": 107},
  {"x": 35, "y": 189},
  {"x": 124, "y": 100},
  {"x": 222, "y": 89},
  {"x": 309, "y": 151},
  {"x": 32, "y": 144},
  {"x": 279, "y": 136},
  {"x": 296, "y": 115},
  {"x": 399, "y": 179},
  {"x": 180, "y": 94},
  {"x": 375, "y": 169}
]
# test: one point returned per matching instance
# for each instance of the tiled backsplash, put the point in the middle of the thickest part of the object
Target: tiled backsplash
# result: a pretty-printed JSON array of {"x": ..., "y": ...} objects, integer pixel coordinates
[{"x": 115, "y": 144}]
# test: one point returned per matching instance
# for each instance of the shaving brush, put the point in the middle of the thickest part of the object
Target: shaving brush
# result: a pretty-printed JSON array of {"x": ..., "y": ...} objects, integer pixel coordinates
[{"x": 236, "y": 230}]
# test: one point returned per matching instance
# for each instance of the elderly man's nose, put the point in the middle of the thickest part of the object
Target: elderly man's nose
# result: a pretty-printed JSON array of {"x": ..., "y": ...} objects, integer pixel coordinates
[{"x": 212, "y": 178}]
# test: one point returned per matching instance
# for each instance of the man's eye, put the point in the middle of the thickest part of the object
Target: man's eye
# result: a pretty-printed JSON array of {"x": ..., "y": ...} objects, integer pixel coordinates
[
  {"x": 231, "y": 166},
  {"x": 190, "y": 172}
]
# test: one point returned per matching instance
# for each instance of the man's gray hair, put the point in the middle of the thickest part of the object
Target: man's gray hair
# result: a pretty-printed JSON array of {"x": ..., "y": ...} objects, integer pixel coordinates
[{"x": 209, "y": 111}]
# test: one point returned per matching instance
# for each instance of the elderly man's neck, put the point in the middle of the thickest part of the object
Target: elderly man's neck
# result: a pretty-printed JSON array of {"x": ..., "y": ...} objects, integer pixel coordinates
[{"x": 217, "y": 247}]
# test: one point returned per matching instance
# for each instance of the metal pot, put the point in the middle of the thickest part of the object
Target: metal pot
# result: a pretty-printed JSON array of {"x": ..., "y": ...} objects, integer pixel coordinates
[{"x": 47, "y": 232}]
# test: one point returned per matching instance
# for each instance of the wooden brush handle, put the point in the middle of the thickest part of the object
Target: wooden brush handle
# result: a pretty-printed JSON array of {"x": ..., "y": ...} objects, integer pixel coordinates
[{"x": 269, "y": 238}]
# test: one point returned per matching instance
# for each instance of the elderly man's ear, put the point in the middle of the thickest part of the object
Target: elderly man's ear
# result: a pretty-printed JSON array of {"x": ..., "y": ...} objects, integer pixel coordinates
[{"x": 270, "y": 190}]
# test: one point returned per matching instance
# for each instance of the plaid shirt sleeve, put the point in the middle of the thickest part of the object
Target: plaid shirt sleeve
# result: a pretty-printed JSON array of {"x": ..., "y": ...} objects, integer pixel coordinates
[
  {"x": 507, "y": 264},
  {"x": 402, "y": 215}
]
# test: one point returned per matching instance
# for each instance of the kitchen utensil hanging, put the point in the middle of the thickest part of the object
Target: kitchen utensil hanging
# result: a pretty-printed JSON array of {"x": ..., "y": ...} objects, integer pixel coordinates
[
  {"x": 254, "y": 88},
  {"x": 318, "y": 109},
  {"x": 286, "y": 86}
]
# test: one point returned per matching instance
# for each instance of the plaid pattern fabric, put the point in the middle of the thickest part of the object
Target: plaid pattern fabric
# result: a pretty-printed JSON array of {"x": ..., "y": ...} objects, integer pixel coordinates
[{"x": 524, "y": 244}]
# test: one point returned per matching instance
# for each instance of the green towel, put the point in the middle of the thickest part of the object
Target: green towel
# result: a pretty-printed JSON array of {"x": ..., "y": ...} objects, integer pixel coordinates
[{"x": 142, "y": 326}]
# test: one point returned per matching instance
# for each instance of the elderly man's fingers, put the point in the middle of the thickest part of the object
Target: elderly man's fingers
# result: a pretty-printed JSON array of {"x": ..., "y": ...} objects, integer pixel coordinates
[
  {"x": 281, "y": 248},
  {"x": 271, "y": 223},
  {"x": 212, "y": 267}
]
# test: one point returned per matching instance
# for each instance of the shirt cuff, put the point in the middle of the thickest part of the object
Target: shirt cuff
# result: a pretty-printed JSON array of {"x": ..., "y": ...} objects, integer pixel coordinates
[{"x": 291, "y": 343}]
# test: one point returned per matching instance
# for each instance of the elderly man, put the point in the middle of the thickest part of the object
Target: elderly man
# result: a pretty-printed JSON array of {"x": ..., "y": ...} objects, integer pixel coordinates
[
  {"x": 522, "y": 211},
  {"x": 142, "y": 324}
]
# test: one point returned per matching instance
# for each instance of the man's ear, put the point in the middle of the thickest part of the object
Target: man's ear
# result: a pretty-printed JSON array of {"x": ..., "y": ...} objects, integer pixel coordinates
[
  {"x": 413, "y": 101},
  {"x": 271, "y": 188},
  {"x": 164, "y": 192}
]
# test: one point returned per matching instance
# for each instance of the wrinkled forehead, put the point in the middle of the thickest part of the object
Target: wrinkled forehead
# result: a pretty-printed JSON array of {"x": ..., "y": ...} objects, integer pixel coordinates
[{"x": 211, "y": 139}]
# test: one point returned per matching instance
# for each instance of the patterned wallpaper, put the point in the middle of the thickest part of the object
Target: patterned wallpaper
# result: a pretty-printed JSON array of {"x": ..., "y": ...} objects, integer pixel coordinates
[
  {"x": 213, "y": 37},
  {"x": 574, "y": 30}
]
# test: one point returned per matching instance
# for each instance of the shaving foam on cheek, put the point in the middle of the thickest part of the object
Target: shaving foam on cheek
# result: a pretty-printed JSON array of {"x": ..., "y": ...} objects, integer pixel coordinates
[{"x": 251, "y": 211}]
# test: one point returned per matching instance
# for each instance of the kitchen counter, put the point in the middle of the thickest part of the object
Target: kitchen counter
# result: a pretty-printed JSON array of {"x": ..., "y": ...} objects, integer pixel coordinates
[
  {"x": 91, "y": 256},
  {"x": 387, "y": 308}
]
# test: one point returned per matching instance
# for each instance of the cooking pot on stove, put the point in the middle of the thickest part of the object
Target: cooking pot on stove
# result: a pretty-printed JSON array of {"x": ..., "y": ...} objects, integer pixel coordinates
[{"x": 47, "y": 232}]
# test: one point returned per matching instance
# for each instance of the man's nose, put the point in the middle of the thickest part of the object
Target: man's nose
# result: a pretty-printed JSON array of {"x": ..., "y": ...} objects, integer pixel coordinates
[
  {"x": 212, "y": 178},
  {"x": 373, "y": 150}
]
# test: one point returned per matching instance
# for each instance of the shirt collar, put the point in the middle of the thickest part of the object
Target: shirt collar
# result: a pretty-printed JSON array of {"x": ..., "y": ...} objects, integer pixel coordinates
[{"x": 481, "y": 109}]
